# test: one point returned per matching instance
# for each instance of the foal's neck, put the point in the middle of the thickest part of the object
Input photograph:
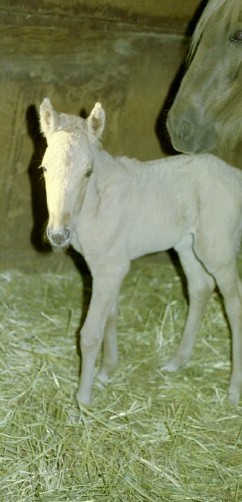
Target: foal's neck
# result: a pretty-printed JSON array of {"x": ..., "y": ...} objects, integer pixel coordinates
[{"x": 103, "y": 159}]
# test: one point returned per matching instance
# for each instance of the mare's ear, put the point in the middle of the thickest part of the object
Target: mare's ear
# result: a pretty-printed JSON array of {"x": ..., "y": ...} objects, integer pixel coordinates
[
  {"x": 96, "y": 120},
  {"x": 48, "y": 118}
]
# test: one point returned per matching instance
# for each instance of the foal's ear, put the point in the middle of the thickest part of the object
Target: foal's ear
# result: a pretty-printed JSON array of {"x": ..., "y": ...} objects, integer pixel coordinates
[
  {"x": 48, "y": 118},
  {"x": 96, "y": 120}
]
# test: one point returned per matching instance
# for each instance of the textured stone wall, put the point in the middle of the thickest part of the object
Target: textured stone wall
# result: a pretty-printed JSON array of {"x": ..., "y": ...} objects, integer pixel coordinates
[{"x": 121, "y": 52}]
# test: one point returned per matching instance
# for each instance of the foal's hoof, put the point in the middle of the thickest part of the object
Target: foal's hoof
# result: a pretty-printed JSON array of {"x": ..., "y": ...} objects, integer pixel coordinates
[
  {"x": 235, "y": 388},
  {"x": 103, "y": 376},
  {"x": 171, "y": 366},
  {"x": 83, "y": 400},
  {"x": 179, "y": 360},
  {"x": 234, "y": 396}
]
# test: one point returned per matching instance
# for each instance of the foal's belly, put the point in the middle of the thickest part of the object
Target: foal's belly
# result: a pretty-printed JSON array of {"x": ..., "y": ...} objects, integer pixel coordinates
[
  {"x": 153, "y": 240},
  {"x": 131, "y": 236}
]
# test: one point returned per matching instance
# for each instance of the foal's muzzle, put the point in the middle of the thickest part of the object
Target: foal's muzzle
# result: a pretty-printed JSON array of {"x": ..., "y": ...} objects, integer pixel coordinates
[{"x": 59, "y": 238}]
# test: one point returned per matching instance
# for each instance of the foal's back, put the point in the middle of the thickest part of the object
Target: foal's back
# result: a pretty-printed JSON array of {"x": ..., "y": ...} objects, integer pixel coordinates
[{"x": 147, "y": 207}]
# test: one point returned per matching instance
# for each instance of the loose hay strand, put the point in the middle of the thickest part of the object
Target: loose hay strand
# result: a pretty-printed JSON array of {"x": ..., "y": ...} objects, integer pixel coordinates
[{"x": 150, "y": 435}]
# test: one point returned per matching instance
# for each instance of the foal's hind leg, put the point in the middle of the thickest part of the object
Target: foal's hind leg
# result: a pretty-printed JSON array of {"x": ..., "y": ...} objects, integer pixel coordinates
[
  {"x": 230, "y": 287},
  {"x": 200, "y": 286}
]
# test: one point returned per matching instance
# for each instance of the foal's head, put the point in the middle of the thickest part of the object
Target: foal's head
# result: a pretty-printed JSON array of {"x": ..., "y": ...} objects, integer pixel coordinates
[{"x": 67, "y": 165}]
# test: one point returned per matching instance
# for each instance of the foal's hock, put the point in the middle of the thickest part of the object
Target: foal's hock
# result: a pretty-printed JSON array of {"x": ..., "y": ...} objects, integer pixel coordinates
[{"x": 114, "y": 209}]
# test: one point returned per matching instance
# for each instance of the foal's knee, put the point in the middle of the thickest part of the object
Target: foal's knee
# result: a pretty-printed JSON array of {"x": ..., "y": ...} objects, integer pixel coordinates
[{"x": 89, "y": 342}]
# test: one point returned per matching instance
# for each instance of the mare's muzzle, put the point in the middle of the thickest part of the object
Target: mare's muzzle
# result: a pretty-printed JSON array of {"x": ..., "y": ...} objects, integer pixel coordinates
[
  {"x": 189, "y": 131},
  {"x": 59, "y": 238}
]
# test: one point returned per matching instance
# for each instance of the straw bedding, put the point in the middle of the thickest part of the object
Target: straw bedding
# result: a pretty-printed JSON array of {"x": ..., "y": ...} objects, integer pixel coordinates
[{"x": 149, "y": 436}]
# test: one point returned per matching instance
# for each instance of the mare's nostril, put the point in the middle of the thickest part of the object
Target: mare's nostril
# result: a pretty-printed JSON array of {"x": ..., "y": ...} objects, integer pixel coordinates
[{"x": 185, "y": 130}]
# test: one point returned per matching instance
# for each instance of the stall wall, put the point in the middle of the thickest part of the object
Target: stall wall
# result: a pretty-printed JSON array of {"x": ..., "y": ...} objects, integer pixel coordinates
[{"x": 125, "y": 54}]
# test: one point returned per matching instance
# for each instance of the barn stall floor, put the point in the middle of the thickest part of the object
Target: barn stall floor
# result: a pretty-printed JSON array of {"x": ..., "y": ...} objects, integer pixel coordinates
[{"x": 149, "y": 435}]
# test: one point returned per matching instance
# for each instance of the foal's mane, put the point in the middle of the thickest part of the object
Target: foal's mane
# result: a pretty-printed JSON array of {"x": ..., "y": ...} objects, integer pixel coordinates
[{"x": 225, "y": 10}]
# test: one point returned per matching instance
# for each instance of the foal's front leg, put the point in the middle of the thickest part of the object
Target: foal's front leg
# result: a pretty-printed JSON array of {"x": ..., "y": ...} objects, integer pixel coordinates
[
  {"x": 230, "y": 286},
  {"x": 110, "y": 349},
  {"x": 106, "y": 285}
]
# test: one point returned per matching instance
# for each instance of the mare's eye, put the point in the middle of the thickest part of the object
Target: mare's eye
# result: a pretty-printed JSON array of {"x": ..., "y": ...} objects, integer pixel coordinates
[
  {"x": 44, "y": 169},
  {"x": 236, "y": 36}
]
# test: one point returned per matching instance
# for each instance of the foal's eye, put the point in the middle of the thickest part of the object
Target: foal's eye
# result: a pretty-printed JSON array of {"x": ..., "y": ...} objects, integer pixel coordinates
[
  {"x": 44, "y": 169},
  {"x": 88, "y": 173},
  {"x": 236, "y": 36}
]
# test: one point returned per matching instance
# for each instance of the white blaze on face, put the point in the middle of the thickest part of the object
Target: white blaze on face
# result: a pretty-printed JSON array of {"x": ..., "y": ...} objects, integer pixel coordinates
[{"x": 65, "y": 167}]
